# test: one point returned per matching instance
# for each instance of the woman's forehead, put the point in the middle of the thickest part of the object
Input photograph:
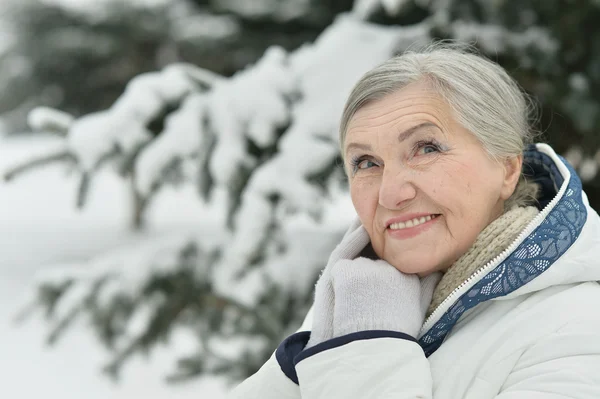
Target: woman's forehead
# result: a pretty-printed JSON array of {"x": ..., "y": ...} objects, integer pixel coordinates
[{"x": 401, "y": 110}]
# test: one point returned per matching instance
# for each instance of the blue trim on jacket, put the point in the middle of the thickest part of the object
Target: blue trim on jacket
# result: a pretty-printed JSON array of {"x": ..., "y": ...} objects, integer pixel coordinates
[
  {"x": 536, "y": 253},
  {"x": 288, "y": 350},
  {"x": 291, "y": 351}
]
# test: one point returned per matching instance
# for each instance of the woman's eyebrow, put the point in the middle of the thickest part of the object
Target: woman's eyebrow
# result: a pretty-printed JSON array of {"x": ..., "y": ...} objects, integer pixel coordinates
[
  {"x": 401, "y": 137},
  {"x": 358, "y": 146},
  {"x": 412, "y": 130}
]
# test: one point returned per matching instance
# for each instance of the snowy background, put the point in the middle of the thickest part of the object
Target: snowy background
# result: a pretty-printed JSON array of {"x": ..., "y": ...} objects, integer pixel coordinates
[
  {"x": 199, "y": 139},
  {"x": 39, "y": 227}
]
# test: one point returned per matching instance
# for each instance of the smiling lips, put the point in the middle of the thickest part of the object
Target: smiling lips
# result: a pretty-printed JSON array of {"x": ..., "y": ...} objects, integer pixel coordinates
[{"x": 411, "y": 223}]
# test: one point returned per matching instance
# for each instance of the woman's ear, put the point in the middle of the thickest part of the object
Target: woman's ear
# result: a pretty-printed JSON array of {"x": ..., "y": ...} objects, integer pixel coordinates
[{"x": 512, "y": 173}]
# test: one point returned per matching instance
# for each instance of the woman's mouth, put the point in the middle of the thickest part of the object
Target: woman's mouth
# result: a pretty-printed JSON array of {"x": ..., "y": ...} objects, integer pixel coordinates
[
  {"x": 411, "y": 228},
  {"x": 412, "y": 223}
]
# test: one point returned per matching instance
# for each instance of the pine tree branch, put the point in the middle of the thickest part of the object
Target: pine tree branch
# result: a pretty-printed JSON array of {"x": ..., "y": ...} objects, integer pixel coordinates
[
  {"x": 202, "y": 76},
  {"x": 62, "y": 155},
  {"x": 269, "y": 325},
  {"x": 62, "y": 325},
  {"x": 164, "y": 318},
  {"x": 83, "y": 188},
  {"x": 86, "y": 176},
  {"x": 25, "y": 312},
  {"x": 126, "y": 165},
  {"x": 192, "y": 366},
  {"x": 205, "y": 179},
  {"x": 113, "y": 368}
]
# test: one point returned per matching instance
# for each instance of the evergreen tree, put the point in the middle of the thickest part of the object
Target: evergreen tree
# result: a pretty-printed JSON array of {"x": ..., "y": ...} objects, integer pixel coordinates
[
  {"x": 58, "y": 55},
  {"x": 260, "y": 147},
  {"x": 75, "y": 60}
]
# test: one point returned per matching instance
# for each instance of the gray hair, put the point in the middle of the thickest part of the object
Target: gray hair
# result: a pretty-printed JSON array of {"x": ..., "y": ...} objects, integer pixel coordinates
[{"x": 484, "y": 98}]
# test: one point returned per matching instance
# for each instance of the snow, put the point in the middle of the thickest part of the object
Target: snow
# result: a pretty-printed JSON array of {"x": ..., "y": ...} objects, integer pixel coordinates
[
  {"x": 60, "y": 198},
  {"x": 182, "y": 136},
  {"x": 496, "y": 38},
  {"x": 33, "y": 239},
  {"x": 7, "y": 39},
  {"x": 364, "y": 8},
  {"x": 253, "y": 98},
  {"x": 100, "y": 232},
  {"x": 393, "y": 7},
  {"x": 579, "y": 82},
  {"x": 94, "y": 6},
  {"x": 281, "y": 10},
  {"x": 122, "y": 128},
  {"x": 335, "y": 61},
  {"x": 253, "y": 218},
  {"x": 250, "y": 105},
  {"x": 206, "y": 27},
  {"x": 169, "y": 85},
  {"x": 43, "y": 119},
  {"x": 586, "y": 166},
  {"x": 574, "y": 156},
  {"x": 87, "y": 137},
  {"x": 588, "y": 169},
  {"x": 339, "y": 57},
  {"x": 297, "y": 269}
]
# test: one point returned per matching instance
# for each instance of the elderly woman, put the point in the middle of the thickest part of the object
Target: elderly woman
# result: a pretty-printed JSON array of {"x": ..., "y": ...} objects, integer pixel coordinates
[{"x": 471, "y": 269}]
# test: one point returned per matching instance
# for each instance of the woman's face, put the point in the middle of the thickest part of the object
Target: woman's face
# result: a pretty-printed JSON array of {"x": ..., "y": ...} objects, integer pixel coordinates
[{"x": 422, "y": 185}]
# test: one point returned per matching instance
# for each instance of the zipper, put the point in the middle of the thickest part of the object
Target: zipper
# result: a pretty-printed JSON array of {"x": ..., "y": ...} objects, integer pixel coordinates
[{"x": 458, "y": 291}]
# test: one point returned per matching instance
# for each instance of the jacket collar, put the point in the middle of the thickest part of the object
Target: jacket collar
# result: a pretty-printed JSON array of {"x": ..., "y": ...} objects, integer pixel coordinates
[{"x": 545, "y": 240}]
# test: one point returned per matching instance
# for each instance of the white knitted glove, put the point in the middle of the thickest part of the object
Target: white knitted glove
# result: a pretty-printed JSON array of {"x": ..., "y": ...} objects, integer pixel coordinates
[
  {"x": 363, "y": 294},
  {"x": 354, "y": 241},
  {"x": 373, "y": 295}
]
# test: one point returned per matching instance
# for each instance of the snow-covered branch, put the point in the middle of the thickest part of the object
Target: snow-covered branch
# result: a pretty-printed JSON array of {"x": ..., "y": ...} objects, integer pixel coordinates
[{"x": 261, "y": 147}]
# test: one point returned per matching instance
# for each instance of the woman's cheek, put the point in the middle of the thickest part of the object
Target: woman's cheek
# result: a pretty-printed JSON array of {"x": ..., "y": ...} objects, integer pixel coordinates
[
  {"x": 358, "y": 197},
  {"x": 364, "y": 198}
]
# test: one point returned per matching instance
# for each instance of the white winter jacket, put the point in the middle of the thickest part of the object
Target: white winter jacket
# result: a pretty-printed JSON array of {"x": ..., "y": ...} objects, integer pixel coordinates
[{"x": 526, "y": 325}]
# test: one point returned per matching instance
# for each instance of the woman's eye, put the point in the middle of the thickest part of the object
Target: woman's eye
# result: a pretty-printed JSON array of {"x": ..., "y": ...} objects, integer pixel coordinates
[
  {"x": 427, "y": 149},
  {"x": 359, "y": 163},
  {"x": 365, "y": 164}
]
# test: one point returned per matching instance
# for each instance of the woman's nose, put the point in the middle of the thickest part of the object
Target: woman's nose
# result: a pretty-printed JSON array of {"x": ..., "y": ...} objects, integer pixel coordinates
[{"x": 396, "y": 188}]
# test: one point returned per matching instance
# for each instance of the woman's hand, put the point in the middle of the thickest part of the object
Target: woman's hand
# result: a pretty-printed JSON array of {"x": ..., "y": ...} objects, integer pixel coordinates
[
  {"x": 362, "y": 294},
  {"x": 373, "y": 295}
]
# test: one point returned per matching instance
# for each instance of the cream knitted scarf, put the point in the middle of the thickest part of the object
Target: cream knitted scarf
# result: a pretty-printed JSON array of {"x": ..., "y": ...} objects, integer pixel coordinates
[{"x": 494, "y": 239}]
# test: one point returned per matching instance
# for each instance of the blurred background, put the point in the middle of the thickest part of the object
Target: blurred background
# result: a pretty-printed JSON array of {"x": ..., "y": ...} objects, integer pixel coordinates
[{"x": 170, "y": 178}]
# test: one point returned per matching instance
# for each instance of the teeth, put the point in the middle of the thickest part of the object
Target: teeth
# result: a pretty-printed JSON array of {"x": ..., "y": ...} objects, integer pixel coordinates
[{"x": 412, "y": 223}]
